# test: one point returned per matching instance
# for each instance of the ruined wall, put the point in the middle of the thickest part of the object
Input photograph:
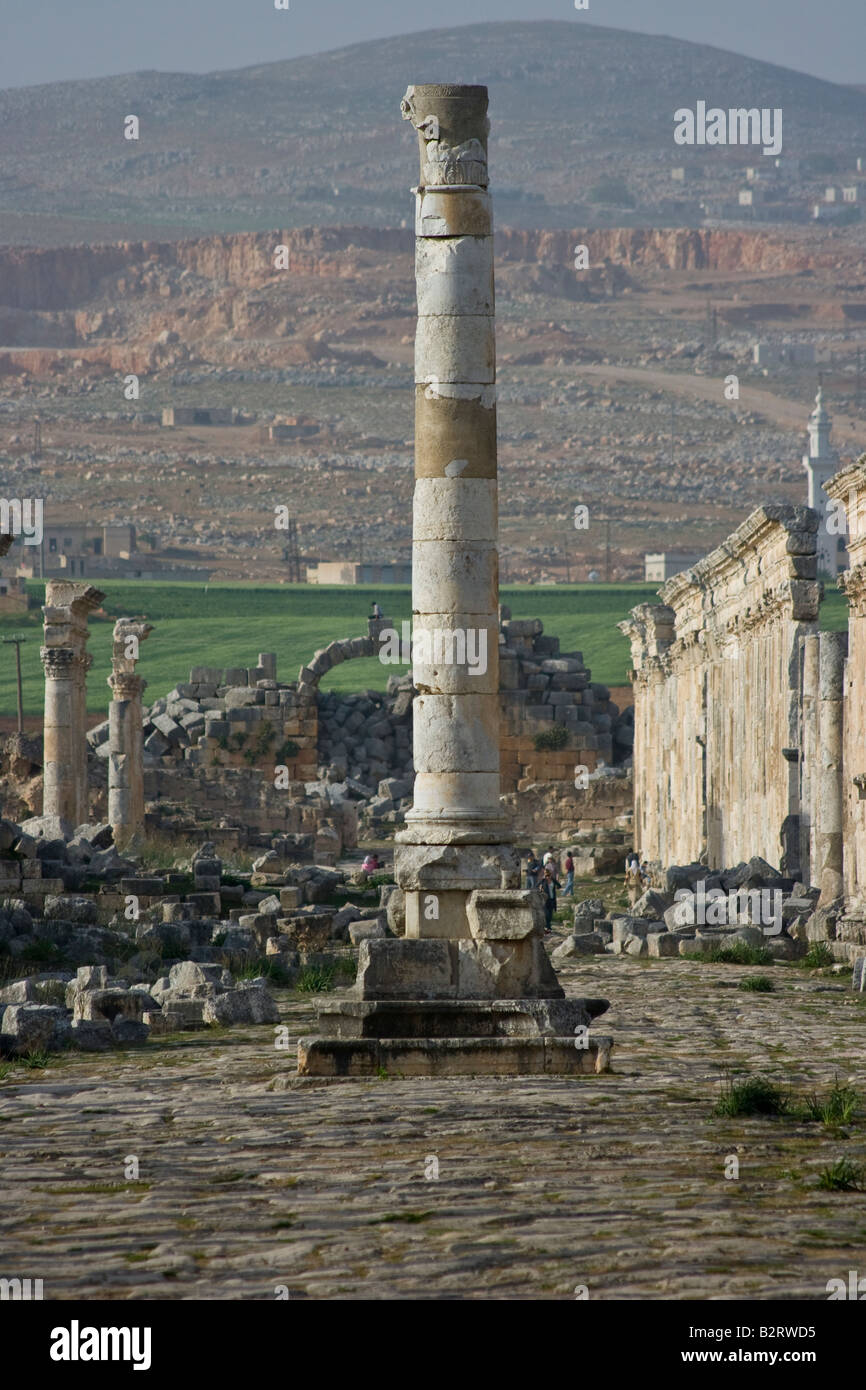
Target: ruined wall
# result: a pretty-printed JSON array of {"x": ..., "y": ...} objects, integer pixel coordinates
[
  {"x": 717, "y": 697},
  {"x": 848, "y": 488}
]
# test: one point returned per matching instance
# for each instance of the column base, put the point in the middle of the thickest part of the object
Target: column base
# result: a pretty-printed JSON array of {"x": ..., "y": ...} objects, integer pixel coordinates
[{"x": 434, "y": 1057}]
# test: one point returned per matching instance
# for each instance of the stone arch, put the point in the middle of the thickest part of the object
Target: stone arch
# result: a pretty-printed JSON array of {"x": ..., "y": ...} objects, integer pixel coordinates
[{"x": 345, "y": 649}]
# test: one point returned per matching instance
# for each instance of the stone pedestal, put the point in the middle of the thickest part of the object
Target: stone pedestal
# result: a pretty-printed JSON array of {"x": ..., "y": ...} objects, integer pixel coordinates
[
  {"x": 125, "y": 743},
  {"x": 66, "y": 663},
  {"x": 470, "y": 987}
]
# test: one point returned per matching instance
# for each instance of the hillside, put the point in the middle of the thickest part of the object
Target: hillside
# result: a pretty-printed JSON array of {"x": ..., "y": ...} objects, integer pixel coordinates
[{"x": 318, "y": 140}]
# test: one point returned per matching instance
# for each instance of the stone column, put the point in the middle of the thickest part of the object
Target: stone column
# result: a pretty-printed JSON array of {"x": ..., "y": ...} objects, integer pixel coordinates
[
  {"x": 470, "y": 987},
  {"x": 455, "y": 591},
  {"x": 66, "y": 662},
  {"x": 809, "y": 707},
  {"x": 125, "y": 766},
  {"x": 59, "y": 797},
  {"x": 828, "y": 840}
]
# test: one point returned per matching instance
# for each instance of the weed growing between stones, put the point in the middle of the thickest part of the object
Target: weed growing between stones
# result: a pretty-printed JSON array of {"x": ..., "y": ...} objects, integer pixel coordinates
[
  {"x": 758, "y": 984},
  {"x": 411, "y": 1218},
  {"x": 817, "y": 956},
  {"x": 315, "y": 979},
  {"x": 739, "y": 953},
  {"x": 555, "y": 737},
  {"x": 756, "y": 1095},
  {"x": 842, "y": 1176},
  {"x": 36, "y": 1060},
  {"x": 162, "y": 851},
  {"x": 838, "y": 1107},
  {"x": 262, "y": 966}
]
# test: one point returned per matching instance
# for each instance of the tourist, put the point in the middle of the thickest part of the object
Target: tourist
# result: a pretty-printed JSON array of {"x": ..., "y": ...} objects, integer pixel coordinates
[
  {"x": 633, "y": 881},
  {"x": 646, "y": 875},
  {"x": 533, "y": 869},
  {"x": 550, "y": 857},
  {"x": 370, "y": 864},
  {"x": 569, "y": 875},
  {"x": 376, "y": 612},
  {"x": 547, "y": 888}
]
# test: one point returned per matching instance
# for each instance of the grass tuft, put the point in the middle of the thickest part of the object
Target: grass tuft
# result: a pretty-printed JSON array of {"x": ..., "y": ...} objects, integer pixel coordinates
[
  {"x": 842, "y": 1176},
  {"x": 756, "y": 1095},
  {"x": 758, "y": 984}
]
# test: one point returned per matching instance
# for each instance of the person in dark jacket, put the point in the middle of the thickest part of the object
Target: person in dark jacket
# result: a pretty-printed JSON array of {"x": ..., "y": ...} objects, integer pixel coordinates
[{"x": 533, "y": 869}]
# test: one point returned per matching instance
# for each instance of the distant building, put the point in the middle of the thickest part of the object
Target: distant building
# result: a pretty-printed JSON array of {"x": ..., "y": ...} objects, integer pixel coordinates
[
  {"x": 14, "y": 597},
  {"x": 820, "y": 463},
  {"x": 687, "y": 173},
  {"x": 762, "y": 173},
  {"x": 359, "y": 572},
  {"x": 851, "y": 193},
  {"x": 835, "y": 212},
  {"x": 797, "y": 354},
  {"x": 289, "y": 427},
  {"x": 173, "y": 415},
  {"x": 664, "y": 564},
  {"x": 75, "y": 550},
  {"x": 79, "y": 550}
]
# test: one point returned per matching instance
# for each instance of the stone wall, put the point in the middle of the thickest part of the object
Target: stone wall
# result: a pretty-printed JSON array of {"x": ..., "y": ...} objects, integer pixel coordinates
[
  {"x": 717, "y": 677},
  {"x": 848, "y": 488},
  {"x": 542, "y": 690}
]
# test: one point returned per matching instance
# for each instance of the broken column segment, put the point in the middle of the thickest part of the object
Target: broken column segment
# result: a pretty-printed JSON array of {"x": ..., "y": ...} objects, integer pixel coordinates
[
  {"x": 435, "y": 1001},
  {"x": 125, "y": 739},
  {"x": 66, "y": 662}
]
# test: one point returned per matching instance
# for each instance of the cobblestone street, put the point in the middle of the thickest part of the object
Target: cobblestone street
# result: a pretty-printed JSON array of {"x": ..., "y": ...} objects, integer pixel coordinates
[{"x": 615, "y": 1182}]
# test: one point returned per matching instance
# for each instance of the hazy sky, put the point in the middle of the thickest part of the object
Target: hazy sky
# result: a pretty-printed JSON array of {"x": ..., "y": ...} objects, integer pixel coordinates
[{"x": 52, "y": 40}]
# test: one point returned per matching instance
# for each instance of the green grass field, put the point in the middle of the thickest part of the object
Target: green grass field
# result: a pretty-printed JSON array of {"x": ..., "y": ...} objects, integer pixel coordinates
[{"x": 228, "y": 625}]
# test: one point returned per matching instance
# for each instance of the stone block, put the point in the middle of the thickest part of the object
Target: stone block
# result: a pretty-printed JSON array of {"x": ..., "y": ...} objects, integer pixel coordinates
[
  {"x": 366, "y": 931},
  {"x": 504, "y": 915},
  {"x": 250, "y": 1003},
  {"x": 35, "y": 1027},
  {"x": 624, "y": 927},
  {"x": 91, "y": 1035},
  {"x": 406, "y": 969},
  {"x": 583, "y": 944},
  {"x": 663, "y": 944}
]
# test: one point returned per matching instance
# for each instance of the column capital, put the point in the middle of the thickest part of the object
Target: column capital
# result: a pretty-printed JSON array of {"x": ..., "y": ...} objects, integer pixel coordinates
[
  {"x": 59, "y": 663},
  {"x": 125, "y": 685}
]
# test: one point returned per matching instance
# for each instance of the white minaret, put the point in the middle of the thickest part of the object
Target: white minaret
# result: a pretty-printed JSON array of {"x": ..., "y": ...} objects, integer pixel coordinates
[{"x": 820, "y": 464}]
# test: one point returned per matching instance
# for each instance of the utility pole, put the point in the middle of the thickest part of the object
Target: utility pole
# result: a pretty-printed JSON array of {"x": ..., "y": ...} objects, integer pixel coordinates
[
  {"x": 17, "y": 640},
  {"x": 292, "y": 553},
  {"x": 607, "y": 551},
  {"x": 672, "y": 434}
]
